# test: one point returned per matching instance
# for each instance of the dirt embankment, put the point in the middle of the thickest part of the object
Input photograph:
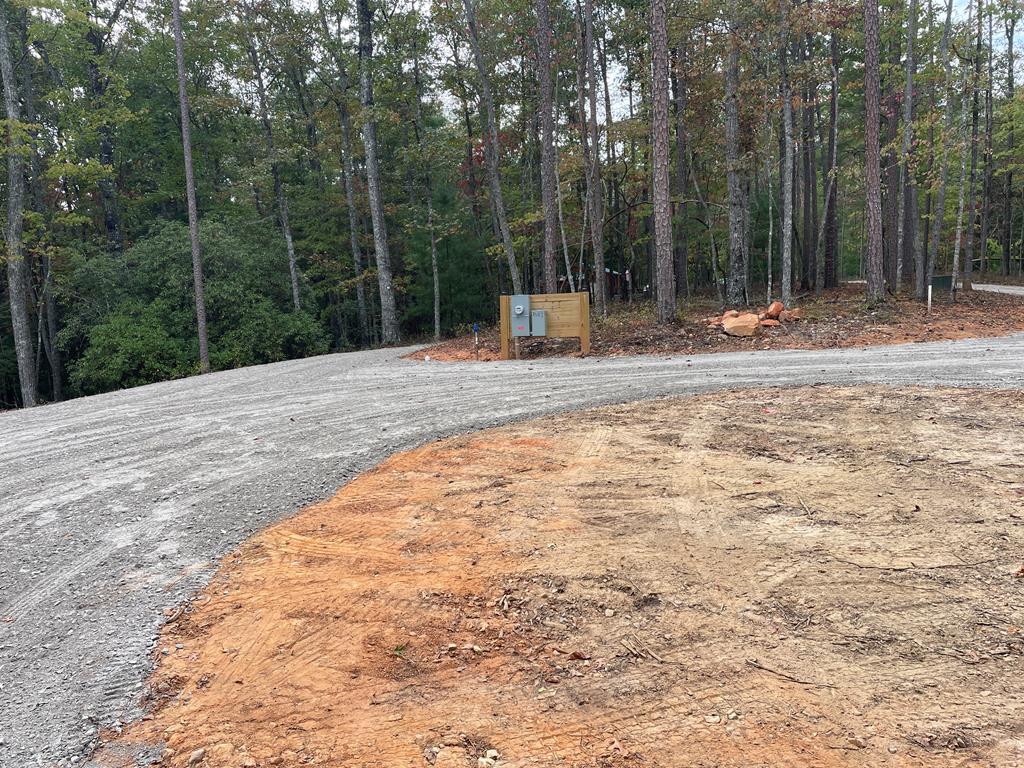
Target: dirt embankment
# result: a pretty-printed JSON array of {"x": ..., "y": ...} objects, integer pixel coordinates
[
  {"x": 837, "y": 319},
  {"x": 805, "y": 577}
]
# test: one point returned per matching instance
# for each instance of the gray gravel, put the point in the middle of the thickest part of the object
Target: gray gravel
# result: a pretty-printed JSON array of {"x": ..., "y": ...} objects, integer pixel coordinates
[{"x": 115, "y": 507}]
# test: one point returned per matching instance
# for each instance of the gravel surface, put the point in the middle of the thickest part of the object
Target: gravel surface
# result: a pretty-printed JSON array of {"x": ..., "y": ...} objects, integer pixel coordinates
[{"x": 116, "y": 507}]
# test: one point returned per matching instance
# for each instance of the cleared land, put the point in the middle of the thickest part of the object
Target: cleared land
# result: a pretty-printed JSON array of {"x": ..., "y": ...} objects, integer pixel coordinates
[
  {"x": 813, "y": 577},
  {"x": 838, "y": 319}
]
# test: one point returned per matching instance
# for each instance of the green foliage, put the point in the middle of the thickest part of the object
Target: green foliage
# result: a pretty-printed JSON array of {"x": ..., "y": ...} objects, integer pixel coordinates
[{"x": 134, "y": 319}]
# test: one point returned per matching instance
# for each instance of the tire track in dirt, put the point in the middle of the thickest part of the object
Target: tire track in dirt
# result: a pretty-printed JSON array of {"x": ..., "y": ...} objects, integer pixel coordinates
[
  {"x": 474, "y": 594},
  {"x": 187, "y": 470}
]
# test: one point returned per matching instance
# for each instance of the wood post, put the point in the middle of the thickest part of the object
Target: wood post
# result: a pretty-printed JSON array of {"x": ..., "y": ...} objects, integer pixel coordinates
[
  {"x": 584, "y": 322},
  {"x": 568, "y": 316},
  {"x": 505, "y": 325}
]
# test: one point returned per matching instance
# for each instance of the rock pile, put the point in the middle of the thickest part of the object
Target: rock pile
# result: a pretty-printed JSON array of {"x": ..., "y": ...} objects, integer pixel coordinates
[{"x": 736, "y": 323}]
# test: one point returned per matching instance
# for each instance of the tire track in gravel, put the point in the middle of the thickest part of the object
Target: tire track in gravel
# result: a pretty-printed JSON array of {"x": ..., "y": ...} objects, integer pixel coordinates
[{"x": 116, "y": 507}]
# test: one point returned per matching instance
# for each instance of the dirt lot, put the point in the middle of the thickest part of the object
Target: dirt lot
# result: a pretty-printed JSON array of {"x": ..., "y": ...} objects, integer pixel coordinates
[
  {"x": 837, "y": 319},
  {"x": 803, "y": 577}
]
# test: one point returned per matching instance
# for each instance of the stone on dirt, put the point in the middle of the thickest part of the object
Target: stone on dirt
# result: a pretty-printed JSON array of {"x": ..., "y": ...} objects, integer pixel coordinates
[
  {"x": 769, "y": 323},
  {"x": 741, "y": 325},
  {"x": 774, "y": 310}
]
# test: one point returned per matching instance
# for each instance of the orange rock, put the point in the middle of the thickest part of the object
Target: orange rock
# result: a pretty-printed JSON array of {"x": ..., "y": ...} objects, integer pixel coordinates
[
  {"x": 774, "y": 310},
  {"x": 741, "y": 325},
  {"x": 730, "y": 313},
  {"x": 769, "y": 323}
]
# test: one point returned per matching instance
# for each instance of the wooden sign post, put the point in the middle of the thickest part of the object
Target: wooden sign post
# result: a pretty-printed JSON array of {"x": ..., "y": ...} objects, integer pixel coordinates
[{"x": 568, "y": 316}]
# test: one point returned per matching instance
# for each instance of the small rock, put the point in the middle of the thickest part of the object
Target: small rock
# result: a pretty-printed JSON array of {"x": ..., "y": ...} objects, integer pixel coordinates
[
  {"x": 769, "y": 323},
  {"x": 774, "y": 310},
  {"x": 712, "y": 719},
  {"x": 484, "y": 762},
  {"x": 197, "y": 757},
  {"x": 493, "y": 754},
  {"x": 857, "y": 742},
  {"x": 609, "y": 612}
]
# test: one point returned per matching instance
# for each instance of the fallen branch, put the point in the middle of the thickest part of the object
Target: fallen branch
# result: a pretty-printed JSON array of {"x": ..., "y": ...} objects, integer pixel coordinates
[
  {"x": 912, "y": 566},
  {"x": 758, "y": 665}
]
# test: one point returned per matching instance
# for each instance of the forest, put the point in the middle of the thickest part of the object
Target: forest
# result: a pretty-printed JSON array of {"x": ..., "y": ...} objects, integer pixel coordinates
[{"x": 236, "y": 182}]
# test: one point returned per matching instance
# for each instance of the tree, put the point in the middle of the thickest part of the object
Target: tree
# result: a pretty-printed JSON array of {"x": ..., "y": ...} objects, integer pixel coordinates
[
  {"x": 872, "y": 155},
  {"x": 492, "y": 148},
  {"x": 665, "y": 279},
  {"x": 190, "y": 189},
  {"x": 786, "y": 170},
  {"x": 973, "y": 174},
  {"x": 275, "y": 169},
  {"x": 908, "y": 136},
  {"x": 736, "y": 276},
  {"x": 17, "y": 265},
  {"x": 1012, "y": 14},
  {"x": 340, "y": 97},
  {"x": 939, "y": 209},
  {"x": 548, "y": 174},
  {"x": 594, "y": 190},
  {"x": 388, "y": 311}
]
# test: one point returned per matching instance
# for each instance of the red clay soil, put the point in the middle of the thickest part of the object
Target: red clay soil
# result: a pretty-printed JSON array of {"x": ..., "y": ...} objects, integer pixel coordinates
[
  {"x": 808, "y": 577},
  {"x": 838, "y": 319}
]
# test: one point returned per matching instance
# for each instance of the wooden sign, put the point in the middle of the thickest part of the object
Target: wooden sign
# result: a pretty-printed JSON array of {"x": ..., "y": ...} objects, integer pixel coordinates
[{"x": 567, "y": 314}]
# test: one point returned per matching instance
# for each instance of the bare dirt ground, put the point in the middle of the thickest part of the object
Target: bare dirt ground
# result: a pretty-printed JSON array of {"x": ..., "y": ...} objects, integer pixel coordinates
[
  {"x": 799, "y": 577},
  {"x": 838, "y": 319}
]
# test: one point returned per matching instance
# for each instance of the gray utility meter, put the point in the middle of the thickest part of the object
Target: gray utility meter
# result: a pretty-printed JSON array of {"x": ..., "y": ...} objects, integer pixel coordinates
[{"x": 520, "y": 312}]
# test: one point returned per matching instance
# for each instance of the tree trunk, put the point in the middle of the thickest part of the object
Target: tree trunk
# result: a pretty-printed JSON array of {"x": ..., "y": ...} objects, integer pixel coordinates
[
  {"x": 665, "y": 278},
  {"x": 388, "y": 311},
  {"x": 1011, "y": 23},
  {"x": 958, "y": 240},
  {"x": 190, "y": 189},
  {"x": 596, "y": 197},
  {"x": 830, "y": 185},
  {"x": 492, "y": 148},
  {"x": 581, "y": 123},
  {"x": 47, "y": 311},
  {"x": 548, "y": 179},
  {"x": 348, "y": 178},
  {"x": 972, "y": 177},
  {"x": 275, "y": 169},
  {"x": 831, "y": 199},
  {"x": 561, "y": 228},
  {"x": 939, "y": 209},
  {"x": 428, "y": 181},
  {"x": 682, "y": 177},
  {"x": 17, "y": 265},
  {"x": 786, "y": 172},
  {"x": 872, "y": 152},
  {"x": 735, "y": 280},
  {"x": 986, "y": 189},
  {"x": 908, "y": 137}
]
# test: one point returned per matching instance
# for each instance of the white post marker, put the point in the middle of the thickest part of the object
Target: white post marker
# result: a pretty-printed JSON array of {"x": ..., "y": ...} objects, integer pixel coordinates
[{"x": 929, "y": 298}]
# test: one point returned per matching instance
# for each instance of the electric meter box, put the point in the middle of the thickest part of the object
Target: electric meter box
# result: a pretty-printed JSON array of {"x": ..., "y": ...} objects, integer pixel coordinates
[
  {"x": 520, "y": 312},
  {"x": 538, "y": 322}
]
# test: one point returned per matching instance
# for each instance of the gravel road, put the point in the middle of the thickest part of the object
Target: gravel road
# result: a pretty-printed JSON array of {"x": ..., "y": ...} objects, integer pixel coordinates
[{"x": 116, "y": 507}]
